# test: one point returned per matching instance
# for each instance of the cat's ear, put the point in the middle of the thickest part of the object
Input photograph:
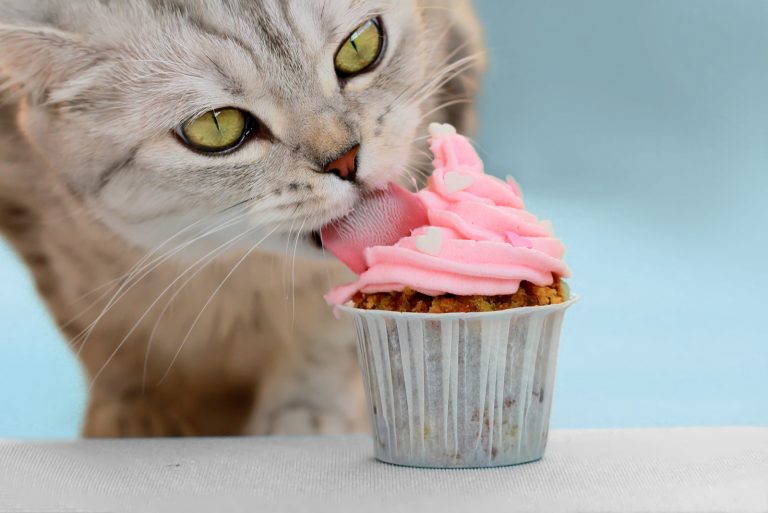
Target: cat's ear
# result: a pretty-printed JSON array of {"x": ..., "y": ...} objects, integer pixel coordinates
[{"x": 36, "y": 59}]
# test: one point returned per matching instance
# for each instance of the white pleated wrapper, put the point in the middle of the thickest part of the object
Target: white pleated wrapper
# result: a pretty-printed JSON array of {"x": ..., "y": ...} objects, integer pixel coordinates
[{"x": 459, "y": 390}]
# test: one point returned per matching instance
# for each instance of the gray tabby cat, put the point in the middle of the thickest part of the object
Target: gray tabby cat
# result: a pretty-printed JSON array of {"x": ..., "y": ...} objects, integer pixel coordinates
[{"x": 164, "y": 166}]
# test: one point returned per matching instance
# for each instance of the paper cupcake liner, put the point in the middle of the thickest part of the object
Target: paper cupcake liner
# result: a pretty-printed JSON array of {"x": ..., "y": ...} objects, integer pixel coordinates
[{"x": 459, "y": 390}]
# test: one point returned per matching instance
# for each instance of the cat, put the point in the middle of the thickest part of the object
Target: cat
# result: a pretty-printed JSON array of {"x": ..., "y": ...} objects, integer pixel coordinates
[{"x": 165, "y": 166}]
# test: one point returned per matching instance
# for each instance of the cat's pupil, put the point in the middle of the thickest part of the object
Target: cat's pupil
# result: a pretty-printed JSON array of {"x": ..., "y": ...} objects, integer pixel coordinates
[
  {"x": 361, "y": 50},
  {"x": 215, "y": 131}
]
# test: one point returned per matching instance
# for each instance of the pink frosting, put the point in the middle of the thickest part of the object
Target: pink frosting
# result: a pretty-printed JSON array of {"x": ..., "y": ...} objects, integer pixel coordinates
[{"x": 479, "y": 239}]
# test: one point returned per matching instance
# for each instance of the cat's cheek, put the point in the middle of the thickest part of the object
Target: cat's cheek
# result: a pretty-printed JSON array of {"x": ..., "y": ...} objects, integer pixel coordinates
[
  {"x": 387, "y": 155},
  {"x": 336, "y": 199},
  {"x": 145, "y": 215}
]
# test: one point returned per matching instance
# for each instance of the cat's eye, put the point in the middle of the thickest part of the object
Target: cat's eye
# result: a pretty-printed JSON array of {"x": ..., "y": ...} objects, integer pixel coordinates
[
  {"x": 361, "y": 50},
  {"x": 216, "y": 131}
]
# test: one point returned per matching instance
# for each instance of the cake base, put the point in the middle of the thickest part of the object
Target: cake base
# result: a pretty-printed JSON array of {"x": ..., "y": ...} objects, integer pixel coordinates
[
  {"x": 411, "y": 301},
  {"x": 459, "y": 391}
]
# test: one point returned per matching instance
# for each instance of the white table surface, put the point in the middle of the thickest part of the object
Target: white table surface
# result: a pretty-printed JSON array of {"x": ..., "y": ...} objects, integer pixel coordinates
[{"x": 675, "y": 470}]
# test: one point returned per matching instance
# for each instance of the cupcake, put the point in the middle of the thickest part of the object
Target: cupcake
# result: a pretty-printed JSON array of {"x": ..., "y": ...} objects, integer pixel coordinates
[{"x": 458, "y": 306}]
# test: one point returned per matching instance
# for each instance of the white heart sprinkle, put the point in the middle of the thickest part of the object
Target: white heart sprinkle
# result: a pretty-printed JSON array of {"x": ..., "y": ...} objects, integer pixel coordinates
[
  {"x": 455, "y": 182},
  {"x": 441, "y": 129},
  {"x": 431, "y": 242}
]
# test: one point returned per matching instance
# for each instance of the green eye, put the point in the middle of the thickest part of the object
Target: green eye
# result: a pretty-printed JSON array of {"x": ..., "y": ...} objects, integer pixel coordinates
[
  {"x": 215, "y": 131},
  {"x": 361, "y": 50}
]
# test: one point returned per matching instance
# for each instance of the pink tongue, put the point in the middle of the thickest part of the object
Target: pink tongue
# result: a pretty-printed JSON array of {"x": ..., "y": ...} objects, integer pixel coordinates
[{"x": 380, "y": 219}]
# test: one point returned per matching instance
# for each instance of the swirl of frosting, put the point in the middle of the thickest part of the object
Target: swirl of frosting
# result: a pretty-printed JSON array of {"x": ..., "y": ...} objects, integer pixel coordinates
[{"x": 479, "y": 239}]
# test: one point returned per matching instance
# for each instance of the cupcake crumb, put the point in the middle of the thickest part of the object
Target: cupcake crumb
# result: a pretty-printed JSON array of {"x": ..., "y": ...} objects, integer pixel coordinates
[{"x": 411, "y": 301}]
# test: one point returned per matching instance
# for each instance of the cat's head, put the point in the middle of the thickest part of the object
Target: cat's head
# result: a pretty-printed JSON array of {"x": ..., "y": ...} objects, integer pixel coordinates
[{"x": 225, "y": 118}]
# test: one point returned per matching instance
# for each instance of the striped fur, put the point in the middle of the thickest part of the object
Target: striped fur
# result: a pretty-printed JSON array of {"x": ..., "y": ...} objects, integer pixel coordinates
[{"x": 185, "y": 283}]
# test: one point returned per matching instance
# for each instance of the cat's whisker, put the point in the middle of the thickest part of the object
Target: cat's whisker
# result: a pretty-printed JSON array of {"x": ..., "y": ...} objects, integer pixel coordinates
[
  {"x": 293, "y": 275},
  {"x": 444, "y": 62},
  {"x": 449, "y": 73},
  {"x": 210, "y": 299},
  {"x": 407, "y": 174},
  {"x": 329, "y": 281},
  {"x": 421, "y": 172},
  {"x": 129, "y": 284},
  {"x": 445, "y": 106},
  {"x": 210, "y": 256},
  {"x": 173, "y": 298},
  {"x": 422, "y": 138},
  {"x": 225, "y": 224},
  {"x": 423, "y": 153},
  {"x": 444, "y": 65},
  {"x": 453, "y": 53},
  {"x": 285, "y": 271},
  {"x": 170, "y": 301},
  {"x": 140, "y": 262},
  {"x": 84, "y": 335},
  {"x": 481, "y": 150},
  {"x": 142, "y": 265},
  {"x": 417, "y": 178},
  {"x": 444, "y": 75}
]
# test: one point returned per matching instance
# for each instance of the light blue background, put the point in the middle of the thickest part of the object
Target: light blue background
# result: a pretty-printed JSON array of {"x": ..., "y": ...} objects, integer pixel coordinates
[{"x": 641, "y": 129}]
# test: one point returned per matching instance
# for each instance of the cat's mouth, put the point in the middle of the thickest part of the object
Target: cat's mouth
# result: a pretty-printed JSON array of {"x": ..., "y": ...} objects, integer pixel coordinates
[
  {"x": 315, "y": 239},
  {"x": 380, "y": 218},
  {"x": 362, "y": 204}
]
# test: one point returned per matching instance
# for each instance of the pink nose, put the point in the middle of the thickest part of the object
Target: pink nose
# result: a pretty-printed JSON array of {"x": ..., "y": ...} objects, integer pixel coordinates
[{"x": 345, "y": 167}]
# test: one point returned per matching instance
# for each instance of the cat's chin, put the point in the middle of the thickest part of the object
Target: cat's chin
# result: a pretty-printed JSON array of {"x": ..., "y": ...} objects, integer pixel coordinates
[{"x": 304, "y": 245}]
